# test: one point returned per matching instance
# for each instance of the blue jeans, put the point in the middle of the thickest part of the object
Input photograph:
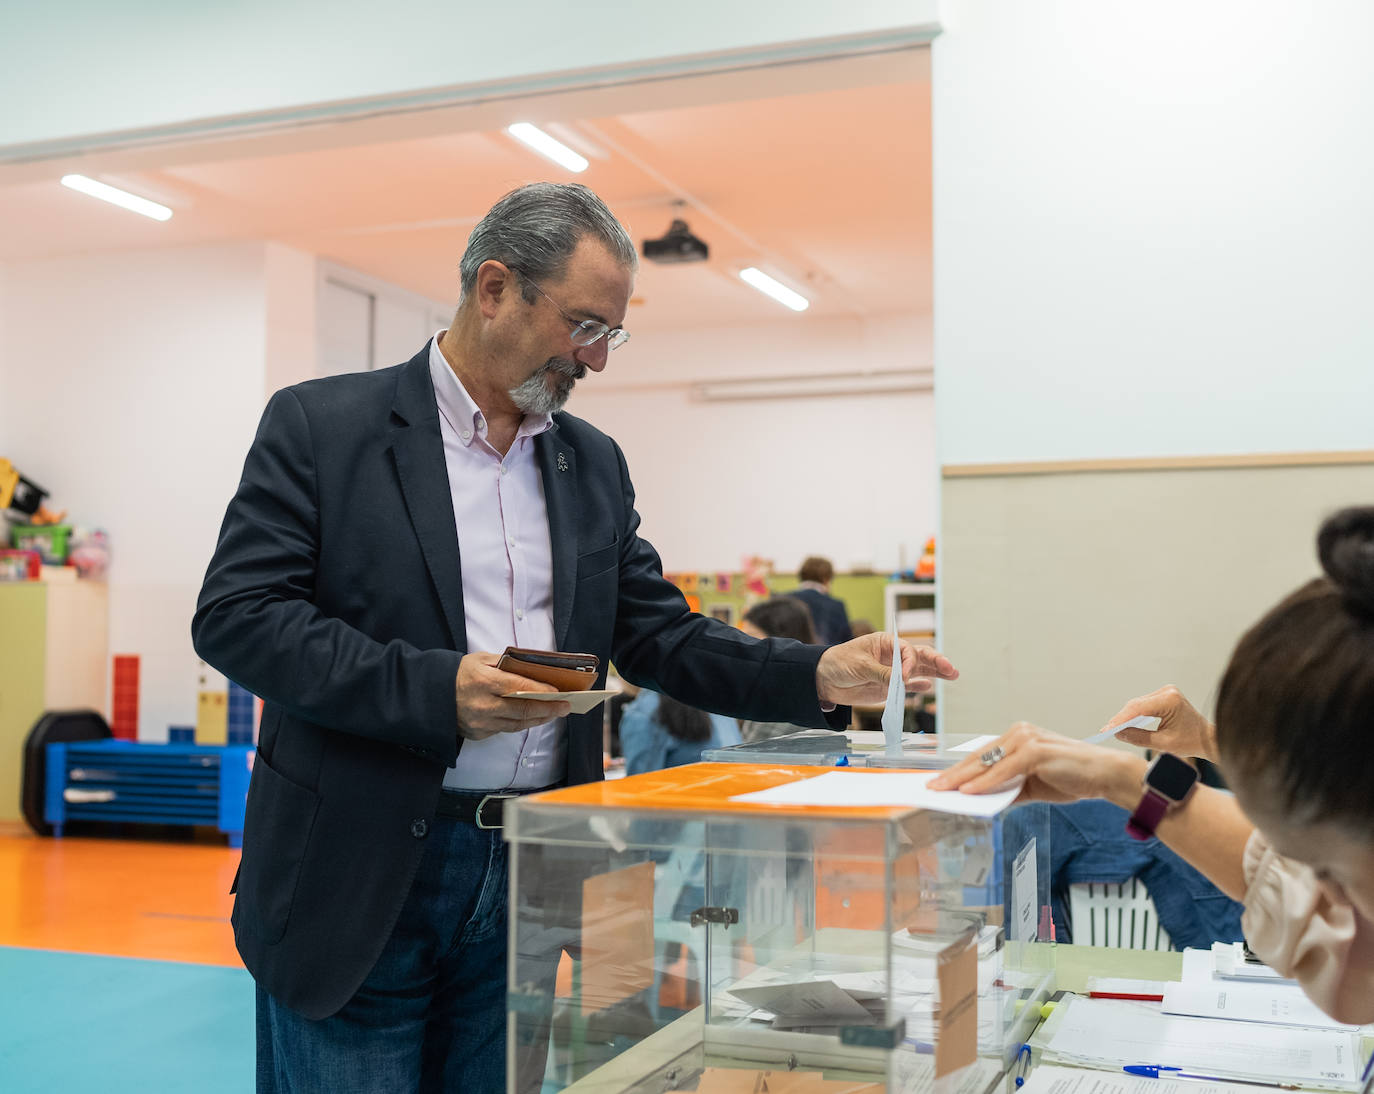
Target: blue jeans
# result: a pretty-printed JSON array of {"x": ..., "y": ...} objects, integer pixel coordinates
[
  {"x": 1088, "y": 843},
  {"x": 431, "y": 1015}
]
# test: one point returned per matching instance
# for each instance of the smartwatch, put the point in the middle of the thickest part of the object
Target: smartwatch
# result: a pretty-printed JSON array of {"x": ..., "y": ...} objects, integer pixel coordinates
[{"x": 1168, "y": 782}]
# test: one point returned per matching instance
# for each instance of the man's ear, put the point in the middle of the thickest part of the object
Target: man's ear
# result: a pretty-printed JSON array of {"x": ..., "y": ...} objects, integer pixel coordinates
[{"x": 495, "y": 282}]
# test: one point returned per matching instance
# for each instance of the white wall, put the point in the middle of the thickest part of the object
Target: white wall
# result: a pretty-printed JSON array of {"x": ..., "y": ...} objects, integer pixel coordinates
[
  {"x": 1153, "y": 228},
  {"x": 849, "y": 477},
  {"x": 220, "y": 60},
  {"x": 132, "y": 385}
]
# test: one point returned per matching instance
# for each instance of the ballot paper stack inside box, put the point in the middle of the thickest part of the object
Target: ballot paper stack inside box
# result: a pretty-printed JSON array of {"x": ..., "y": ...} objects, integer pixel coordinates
[{"x": 852, "y": 921}]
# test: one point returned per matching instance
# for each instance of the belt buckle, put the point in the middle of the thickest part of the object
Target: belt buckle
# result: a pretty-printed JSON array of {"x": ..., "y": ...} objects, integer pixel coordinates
[{"x": 482, "y": 805}]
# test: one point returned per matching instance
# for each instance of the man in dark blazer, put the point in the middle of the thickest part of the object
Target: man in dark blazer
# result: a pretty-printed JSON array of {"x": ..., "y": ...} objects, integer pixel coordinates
[
  {"x": 828, "y": 612},
  {"x": 392, "y": 532}
]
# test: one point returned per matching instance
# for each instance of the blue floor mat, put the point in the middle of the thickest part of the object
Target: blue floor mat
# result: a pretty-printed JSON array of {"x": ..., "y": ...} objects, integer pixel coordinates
[{"x": 117, "y": 1025}]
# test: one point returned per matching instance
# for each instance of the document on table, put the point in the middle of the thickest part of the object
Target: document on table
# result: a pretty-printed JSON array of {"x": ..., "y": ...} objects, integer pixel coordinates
[
  {"x": 1047, "y": 1079},
  {"x": 858, "y": 788},
  {"x": 1278, "y": 1004},
  {"x": 1108, "y": 1033}
]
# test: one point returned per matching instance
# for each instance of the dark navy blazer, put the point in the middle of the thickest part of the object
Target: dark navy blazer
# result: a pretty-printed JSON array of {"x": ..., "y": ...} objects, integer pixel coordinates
[{"x": 335, "y": 594}]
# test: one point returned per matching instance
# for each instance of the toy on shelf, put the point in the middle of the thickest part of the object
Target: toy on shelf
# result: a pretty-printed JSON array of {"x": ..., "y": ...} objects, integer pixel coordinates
[
  {"x": 89, "y": 551},
  {"x": 19, "y": 495},
  {"x": 925, "y": 565}
]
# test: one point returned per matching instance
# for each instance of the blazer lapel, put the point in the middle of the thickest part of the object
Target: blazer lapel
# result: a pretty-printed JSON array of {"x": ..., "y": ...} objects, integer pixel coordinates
[
  {"x": 558, "y": 470},
  {"x": 418, "y": 449}
]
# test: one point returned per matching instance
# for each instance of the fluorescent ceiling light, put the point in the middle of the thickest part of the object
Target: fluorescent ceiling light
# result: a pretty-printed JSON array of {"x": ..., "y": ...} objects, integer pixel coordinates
[
  {"x": 534, "y": 137},
  {"x": 776, "y": 289},
  {"x": 114, "y": 196},
  {"x": 820, "y": 384}
]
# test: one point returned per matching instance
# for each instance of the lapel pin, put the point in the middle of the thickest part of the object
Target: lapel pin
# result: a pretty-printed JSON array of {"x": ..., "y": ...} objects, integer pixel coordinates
[{"x": 562, "y": 462}]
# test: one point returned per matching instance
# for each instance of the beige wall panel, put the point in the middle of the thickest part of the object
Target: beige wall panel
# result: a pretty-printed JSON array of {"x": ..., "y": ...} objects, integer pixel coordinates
[{"x": 1063, "y": 595}]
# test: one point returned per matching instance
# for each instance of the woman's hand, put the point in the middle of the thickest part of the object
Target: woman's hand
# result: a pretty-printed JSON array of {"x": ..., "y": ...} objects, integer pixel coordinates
[
  {"x": 1182, "y": 729},
  {"x": 1056, "y": 769}
]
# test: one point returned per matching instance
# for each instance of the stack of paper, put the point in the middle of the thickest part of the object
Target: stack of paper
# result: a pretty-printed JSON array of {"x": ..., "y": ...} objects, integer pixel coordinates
[
  {"x": 1063, "y": 1080},
  {"x": 1108, "y": 1034}
]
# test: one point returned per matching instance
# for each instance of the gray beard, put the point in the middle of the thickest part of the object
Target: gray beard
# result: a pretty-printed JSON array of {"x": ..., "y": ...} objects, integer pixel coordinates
[{"x": 536, "y": 396}]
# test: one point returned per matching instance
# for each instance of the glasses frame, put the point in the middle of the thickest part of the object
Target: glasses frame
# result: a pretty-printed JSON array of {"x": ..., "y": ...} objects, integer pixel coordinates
[{"x": 591, "y": 330}]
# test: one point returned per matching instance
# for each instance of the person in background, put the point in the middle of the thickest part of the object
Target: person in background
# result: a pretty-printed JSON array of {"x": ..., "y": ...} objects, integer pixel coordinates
[
  {"x": 657, "y": 732},
  {"x": 1295, "y": 722},
  {"x": 777, "y": 617},
  {"x": 828, "y": 613}
]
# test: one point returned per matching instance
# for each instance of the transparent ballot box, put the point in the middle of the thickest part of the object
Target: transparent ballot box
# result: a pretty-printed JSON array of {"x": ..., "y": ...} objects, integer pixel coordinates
[{"x": 666, "y": 936}]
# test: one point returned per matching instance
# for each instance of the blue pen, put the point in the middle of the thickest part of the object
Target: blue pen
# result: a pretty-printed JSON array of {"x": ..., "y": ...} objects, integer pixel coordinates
[
  {"x": 1023, "y": 1059},
  {"x": 1153, "y": 1071},
  {"x": 1367, "y": 1079}
]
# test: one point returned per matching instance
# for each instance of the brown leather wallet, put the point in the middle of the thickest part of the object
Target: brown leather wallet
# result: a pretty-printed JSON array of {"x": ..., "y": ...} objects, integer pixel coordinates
[{"x": 565, "y": 671}]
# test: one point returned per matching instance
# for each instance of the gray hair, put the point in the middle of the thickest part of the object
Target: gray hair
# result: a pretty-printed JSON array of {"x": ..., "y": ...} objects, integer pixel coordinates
[{"x": 536, "y": 229}]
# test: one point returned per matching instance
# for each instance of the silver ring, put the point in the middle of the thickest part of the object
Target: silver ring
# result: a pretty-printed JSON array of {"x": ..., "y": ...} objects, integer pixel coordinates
[{"x": 992, "y": 756}]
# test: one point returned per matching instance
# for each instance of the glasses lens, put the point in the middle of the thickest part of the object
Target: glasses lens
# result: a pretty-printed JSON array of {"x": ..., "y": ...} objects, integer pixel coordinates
[
  {"x": 618, "y": 338},
  {"x": 587, "y": 332}
]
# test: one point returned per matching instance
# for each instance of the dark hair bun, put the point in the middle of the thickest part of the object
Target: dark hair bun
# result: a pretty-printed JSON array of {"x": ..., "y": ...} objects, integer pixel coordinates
[{"x": 1345, "y": 546}]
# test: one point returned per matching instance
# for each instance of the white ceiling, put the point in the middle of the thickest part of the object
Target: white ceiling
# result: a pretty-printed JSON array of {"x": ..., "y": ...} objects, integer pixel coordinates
[{"x": 826, "y": 187}]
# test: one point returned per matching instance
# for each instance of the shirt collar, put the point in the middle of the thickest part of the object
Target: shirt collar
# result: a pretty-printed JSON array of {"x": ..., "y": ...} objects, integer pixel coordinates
[{"x": 458, "y": 407}]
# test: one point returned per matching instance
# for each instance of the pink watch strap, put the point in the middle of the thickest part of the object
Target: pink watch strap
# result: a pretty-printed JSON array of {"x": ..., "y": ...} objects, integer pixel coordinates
[{"x": 1153, "y": 805}]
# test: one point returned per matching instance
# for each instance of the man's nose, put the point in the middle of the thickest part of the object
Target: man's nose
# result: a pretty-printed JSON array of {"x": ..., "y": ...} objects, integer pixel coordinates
[{"x": 593, "y": 356}]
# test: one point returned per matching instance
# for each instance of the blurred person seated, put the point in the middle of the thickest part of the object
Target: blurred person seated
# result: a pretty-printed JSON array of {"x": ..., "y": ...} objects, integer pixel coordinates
[
  {"x": 828, "y": 613},
  {"x": 657, "y": 732},
  {"x": 1295, "y": 713},
  {"x": 783, "y": 616}
]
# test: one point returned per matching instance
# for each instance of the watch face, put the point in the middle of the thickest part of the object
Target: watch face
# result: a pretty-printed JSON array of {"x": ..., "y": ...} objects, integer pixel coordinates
[{"x": 1171, "y": 776}]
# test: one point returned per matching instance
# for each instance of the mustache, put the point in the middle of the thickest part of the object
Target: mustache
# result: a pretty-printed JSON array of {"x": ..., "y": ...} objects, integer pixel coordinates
[{"x": 564, "y": 366}]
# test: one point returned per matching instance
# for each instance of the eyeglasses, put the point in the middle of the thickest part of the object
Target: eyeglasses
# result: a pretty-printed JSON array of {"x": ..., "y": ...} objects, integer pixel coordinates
[{"x": 585, "y": 332}]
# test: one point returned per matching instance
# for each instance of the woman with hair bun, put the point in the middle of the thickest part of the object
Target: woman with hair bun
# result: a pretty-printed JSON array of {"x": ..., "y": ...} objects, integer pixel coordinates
[{"x": 1293, "y": 736}]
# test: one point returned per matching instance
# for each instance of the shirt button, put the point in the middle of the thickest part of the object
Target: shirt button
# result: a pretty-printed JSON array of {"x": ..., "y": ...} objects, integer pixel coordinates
[
  {"x": 519, "y": 613},
  {"x": 467, "y": 434},
  {"x": 419, "y": 828},
  {"x": 504, "y": 469},
  {"x": 526, "y": 763}
]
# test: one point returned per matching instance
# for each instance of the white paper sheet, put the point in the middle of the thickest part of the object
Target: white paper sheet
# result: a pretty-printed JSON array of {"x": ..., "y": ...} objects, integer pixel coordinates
[
  {"x": 894, "y": 712},
  {"x": 1049, "y": 1079},
  {"x": 1108, "y": 1033},
  {"x": 975, "y": 744},
  {"x": 857, "y": 788},
  {"x": 1279, "y": 1004},
  {"x": 582, "y": 701},
  {"x": 1147, "y": 722}
]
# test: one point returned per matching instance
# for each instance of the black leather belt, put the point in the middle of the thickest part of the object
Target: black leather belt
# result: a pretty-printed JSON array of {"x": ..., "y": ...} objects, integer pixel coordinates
[{"x": 485, "y": 810}]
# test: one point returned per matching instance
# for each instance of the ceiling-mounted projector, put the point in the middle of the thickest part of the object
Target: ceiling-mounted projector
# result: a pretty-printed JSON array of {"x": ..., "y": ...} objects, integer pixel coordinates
[{"x": 678, "y": 244}]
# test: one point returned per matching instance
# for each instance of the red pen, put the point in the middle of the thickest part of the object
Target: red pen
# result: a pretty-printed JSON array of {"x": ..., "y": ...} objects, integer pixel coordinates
[{"x": 1126, "y": 995}]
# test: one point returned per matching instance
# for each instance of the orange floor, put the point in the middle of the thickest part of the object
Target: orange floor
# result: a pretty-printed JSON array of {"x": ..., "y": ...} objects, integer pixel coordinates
[{"x": 154, "y": 898}]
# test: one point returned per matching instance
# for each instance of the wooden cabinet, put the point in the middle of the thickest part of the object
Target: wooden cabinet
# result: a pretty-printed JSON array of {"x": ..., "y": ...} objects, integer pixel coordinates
[{"x": 53, "y": 655}]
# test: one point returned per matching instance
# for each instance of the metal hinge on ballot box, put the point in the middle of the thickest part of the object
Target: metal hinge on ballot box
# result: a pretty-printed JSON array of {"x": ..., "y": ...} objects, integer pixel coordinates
[{"x": 724, "y": 916}]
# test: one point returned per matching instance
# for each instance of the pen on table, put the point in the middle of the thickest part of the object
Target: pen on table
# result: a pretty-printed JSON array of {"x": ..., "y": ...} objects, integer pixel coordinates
[
  {"x": 1023, "y": 1059},
  {"x": 1153, "y": 1071},
  {"x": 1141, "y": 996},
  {"x": 1367, "y": 1078}
]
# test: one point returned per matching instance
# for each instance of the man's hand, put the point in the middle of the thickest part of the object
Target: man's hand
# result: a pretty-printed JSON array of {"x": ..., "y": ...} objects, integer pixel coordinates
[
  {"x": 1057, "y": 769},
  {"x": 858, "y": 670},
  {"x": 1182, "y": 730},
  {"x": 483, "y": 713}
]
